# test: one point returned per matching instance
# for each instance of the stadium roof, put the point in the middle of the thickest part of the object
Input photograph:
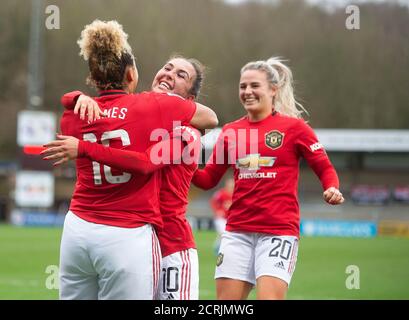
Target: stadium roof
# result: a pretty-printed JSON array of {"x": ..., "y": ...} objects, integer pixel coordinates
[
  {"x": 347, "y": 140},
  {"x": 364, "y": 140}
]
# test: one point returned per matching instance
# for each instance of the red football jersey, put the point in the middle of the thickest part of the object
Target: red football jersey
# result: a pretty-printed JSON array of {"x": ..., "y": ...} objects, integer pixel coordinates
[
  {"x": 106, "y": 195},
  {"x": 176, "y": 234},
  {"x": 265, "y": 156},
  {"x": 220, "y": 202}
]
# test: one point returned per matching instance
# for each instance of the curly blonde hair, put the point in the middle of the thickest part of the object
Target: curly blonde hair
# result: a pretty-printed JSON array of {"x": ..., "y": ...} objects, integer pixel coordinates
[{"x": 104, "y": 44}]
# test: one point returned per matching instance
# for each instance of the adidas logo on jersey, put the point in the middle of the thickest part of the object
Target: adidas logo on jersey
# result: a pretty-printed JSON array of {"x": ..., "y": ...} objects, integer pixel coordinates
[
  {"x": 280, "y": 265},
  {"x": 170, "y": 297}
]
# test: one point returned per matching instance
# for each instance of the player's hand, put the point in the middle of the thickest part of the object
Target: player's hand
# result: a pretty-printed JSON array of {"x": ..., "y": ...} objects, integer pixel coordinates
[
  {"x": 63, "y": 150},
  {"x": 88, "y": 107},
  {"x": 333, "y": 196}
]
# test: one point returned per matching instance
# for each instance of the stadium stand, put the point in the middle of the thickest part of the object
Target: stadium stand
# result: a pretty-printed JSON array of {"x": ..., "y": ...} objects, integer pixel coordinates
[
  {"x": 401, "y": 194},
  {"x": 367, "y": 195}
]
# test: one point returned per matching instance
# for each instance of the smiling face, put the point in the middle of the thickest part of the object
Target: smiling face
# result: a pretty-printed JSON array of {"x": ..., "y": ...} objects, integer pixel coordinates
[
  {"x": 176, "y": 76},
  {"x": 256, "y": 93}
]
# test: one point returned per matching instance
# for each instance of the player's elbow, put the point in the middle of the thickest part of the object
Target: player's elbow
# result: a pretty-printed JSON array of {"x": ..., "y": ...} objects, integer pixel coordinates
[
  {"x": 210, "y": 121},
  {"x": 213, "y": 121},
  {"x": 204, "y": 118}
]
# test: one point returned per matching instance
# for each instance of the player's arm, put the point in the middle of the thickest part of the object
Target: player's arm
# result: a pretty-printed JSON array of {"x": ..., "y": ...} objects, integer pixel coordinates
[
  {"x": 172, "y": 151},
  {"x": 69, "y": 99},
  {"x": 68, "y": 124},
  {"x": 176, "y": 108},
  {"x": 204, "y": 118},
  {"x": 319, "y": 162},
  {"x": 209, "y": 177},
  {"x": 329, "y": 179},
  {"x": 69, "y": 148},
  {"x": 215, "y": 168},
  {"x": 68, "y": 127},
  {"x": 82, "y": 104}
]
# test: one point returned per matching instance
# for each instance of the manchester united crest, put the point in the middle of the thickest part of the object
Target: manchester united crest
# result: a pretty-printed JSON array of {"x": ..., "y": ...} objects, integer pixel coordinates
[
  {"x": 274, "y": 139},
  {"x": 219, "y": 260}
]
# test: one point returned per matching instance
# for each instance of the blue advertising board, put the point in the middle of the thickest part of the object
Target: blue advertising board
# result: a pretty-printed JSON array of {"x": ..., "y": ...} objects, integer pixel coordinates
[
  {"x": 39, "y": 219},
  {"x": 338, "y": 228}
]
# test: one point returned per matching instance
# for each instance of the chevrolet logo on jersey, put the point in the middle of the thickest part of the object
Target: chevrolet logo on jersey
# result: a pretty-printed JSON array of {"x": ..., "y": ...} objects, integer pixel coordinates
[
  {"x": 254, "y": 162},
  {"x": 274, "y": 139}
]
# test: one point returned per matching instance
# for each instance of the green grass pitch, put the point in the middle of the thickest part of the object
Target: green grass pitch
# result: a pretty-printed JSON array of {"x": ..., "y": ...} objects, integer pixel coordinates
[{"x": 383, "y": 262}]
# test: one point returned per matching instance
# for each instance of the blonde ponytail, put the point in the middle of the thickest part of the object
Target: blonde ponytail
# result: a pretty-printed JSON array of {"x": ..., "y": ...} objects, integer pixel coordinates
[{"x": 281, "y": 77}]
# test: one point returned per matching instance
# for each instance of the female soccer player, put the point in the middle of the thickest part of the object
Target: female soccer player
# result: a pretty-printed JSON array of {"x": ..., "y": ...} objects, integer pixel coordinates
[
  {"x": 109, "y": 248},
  {"x": 180, "y": 270},
  {"x": 264, "y": 148}
]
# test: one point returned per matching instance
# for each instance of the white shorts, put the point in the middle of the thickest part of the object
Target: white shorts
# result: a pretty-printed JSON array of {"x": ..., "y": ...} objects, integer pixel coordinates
[
  {"x": 104, "y": 262},
  {"x": 220, "y": 224},
  {"x": 248, "y": 256},
  {"x": 179, "y": 279}
]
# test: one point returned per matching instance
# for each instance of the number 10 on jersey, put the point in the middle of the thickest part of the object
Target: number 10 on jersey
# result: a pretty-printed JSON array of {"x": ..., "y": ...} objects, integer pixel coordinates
[{"x": 96, "y": 166}]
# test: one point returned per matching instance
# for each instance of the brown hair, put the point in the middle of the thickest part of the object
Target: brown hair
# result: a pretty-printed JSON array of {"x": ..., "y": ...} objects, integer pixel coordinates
[
  {"x": 105, "y": 46},
  {"x": 200, "y": 71}
]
